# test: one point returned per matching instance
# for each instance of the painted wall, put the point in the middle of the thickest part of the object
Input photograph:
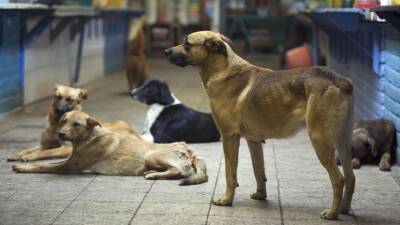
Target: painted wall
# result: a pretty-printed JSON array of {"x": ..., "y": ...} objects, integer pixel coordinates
[
  {"x": 115, "y": 33},
  {"x": 390, "y": 70},
  {"x": 29, "y": 71},
  {"x": 45, "y": 64},
  {"x": 11, "y": 74},
  {"x": 377, "y": 93},
  {"x": 48, "y": 63}
]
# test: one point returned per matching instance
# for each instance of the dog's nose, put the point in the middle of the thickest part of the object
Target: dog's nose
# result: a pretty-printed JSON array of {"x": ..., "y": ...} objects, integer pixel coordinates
[
  {"x": 167, "y": 52},
  {"x": 61, "y": 135},
  {"x": 132, "y": 93}
]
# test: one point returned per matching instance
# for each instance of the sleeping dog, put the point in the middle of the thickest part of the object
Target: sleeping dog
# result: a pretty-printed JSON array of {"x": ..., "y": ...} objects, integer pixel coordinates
[
  {"x": 168, "y": 120},
  {"x": 372, "y": 140}
]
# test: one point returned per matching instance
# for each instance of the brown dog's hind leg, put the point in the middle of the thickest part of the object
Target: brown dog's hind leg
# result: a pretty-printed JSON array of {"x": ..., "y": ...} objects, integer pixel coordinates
[
  {"x": 55, "y": 153},
  {"x": 257, "y": 159},
  {"x": 59, "y": 167},
  {"x": 171, "y": 173},
  {"x": 326, "y": 156},
  {"x": 344, "y": 150},
  {"x": 231, "y": 151}
]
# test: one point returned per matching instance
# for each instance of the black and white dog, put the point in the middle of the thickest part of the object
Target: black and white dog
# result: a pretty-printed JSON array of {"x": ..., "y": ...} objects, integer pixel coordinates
[{"x": 168, "y": 120}]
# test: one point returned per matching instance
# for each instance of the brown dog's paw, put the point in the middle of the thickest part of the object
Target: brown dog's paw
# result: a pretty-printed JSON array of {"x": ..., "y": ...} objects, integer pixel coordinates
[
  {"x": 223, "y": 201},
  {"x": 356, "y": 164},
  {"x": 259, "y": 195},
  {"x": 327, "y": 214},
  {"x": 19, "y": 168},
  {"x": 14, "y": 157},
  {"x": 26, "y": 158},
  {"x": 150, "y": 176},
  {"x": 148, "y": 172},
  {"x": 344, "y": 210},
  {"x": 384, "y": 166}
]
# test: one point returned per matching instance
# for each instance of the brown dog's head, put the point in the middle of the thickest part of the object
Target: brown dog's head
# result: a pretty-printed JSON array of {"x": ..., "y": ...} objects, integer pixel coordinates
[
  {"x": 66, "y": 98},
  {"x": 76, "y": 125},
  {"x": 361, "y": 144},
  {"x": 197, "y": 47}
]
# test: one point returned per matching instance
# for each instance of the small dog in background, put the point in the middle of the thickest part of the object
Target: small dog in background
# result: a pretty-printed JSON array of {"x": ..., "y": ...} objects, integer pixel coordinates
[
  {"x": 65, "y": 99},
  {"x": 168, "y": 120},
  {"x": 372, "y": 140},
  {"x": 136, "y": 64}
]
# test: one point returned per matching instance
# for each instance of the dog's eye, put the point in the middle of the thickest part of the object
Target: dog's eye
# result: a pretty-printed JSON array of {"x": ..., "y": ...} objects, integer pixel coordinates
[
  {"x": 76, "y": 124},
  {"x": 69, "y": 99},
  {"x": 187, "y": 46},
  {"x": 58, "y": 97}
]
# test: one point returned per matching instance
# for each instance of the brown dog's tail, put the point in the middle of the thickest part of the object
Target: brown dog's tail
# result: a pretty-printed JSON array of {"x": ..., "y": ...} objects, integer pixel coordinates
[
  {"x": 200, "y": 176},
  {"x": 344, "y": 84},
  {"x": 339, "y": 81}
]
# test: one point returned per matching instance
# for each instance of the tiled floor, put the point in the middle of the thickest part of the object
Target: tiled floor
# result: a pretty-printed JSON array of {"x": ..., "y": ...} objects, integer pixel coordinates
[{"x": 298, "y": 186}]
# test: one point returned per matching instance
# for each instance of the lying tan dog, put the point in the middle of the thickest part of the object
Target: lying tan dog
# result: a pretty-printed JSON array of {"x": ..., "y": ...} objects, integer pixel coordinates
[
  {"x": 65, "y": 99},
  {"x": 371, "y": 140},
  {"x": 258, "y": 103},
  {"x": 119, "y": 150}
]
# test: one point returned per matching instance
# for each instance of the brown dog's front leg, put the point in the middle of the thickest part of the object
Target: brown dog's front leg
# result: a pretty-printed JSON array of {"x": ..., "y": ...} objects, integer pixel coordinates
[
  {"x": 257, "y": 159},
  {"x": 55, "y": 153},
  {"x": 356, "y": 163},
  {"x": 68, "y": 166},
  {"x": 231, "y": 151},
  {"x": 19, "y": 155},
  {"x": 384, "y": 163}
]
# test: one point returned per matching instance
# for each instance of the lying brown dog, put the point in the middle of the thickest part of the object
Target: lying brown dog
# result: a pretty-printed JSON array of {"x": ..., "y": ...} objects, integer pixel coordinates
[
  {"x": 372, "y": 140},
  {"x": 257, "y": 103},
  {"x": 65, "y": 99},
  {"x": 119, "y": 150},
  {"x": 136, "y": 64}
]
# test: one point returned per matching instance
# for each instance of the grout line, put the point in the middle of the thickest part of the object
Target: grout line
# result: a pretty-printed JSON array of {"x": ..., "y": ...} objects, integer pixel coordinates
[
  {"x": 141, "y": 203},
  {"x": 278, "y": 184},
  {"x": 73, "y": 200},
  {"x": 9, "y": 197},
  {"x": 215, "y": 187}
]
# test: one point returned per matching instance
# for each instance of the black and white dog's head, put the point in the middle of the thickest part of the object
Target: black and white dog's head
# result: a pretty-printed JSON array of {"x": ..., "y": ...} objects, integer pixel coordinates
[{"x": 153, "y": 91}]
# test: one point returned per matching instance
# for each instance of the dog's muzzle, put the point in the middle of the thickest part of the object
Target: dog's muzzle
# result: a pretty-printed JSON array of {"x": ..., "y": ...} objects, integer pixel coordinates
[
  {"x": 135, "y": 96},
  {"x": 61, "y": 111},
  {"x": 176, "y": 58}
]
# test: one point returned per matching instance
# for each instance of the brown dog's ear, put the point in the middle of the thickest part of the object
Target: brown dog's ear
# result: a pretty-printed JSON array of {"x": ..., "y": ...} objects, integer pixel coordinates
[
  {"x": 55, "y": 87},
  {"x": 226, "y": 40},
  {"x": 83, "y": 94},
  {"x": 371, "y": 143},
  {"x": 92, "y": 122},
  {"x": 216, "y": 46}
]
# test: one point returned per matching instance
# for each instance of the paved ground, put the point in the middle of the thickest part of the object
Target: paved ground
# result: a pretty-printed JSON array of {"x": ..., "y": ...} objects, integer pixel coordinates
[{"x": 298, "y": 186}]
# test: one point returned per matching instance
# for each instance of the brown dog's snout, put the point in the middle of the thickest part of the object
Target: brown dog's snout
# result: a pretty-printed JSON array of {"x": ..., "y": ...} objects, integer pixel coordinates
[
  {"x": 61, "y": 135},
  {"x": 176, "y": 57}
]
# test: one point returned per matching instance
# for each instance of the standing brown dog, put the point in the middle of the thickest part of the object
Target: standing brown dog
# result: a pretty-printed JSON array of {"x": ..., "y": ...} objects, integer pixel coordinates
[
  {"x": 116, "y": 149},
  {"x": 258, "y": 103},
  {"x": 136, "y": 64},
  {"x": 65, "y": 99}
]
